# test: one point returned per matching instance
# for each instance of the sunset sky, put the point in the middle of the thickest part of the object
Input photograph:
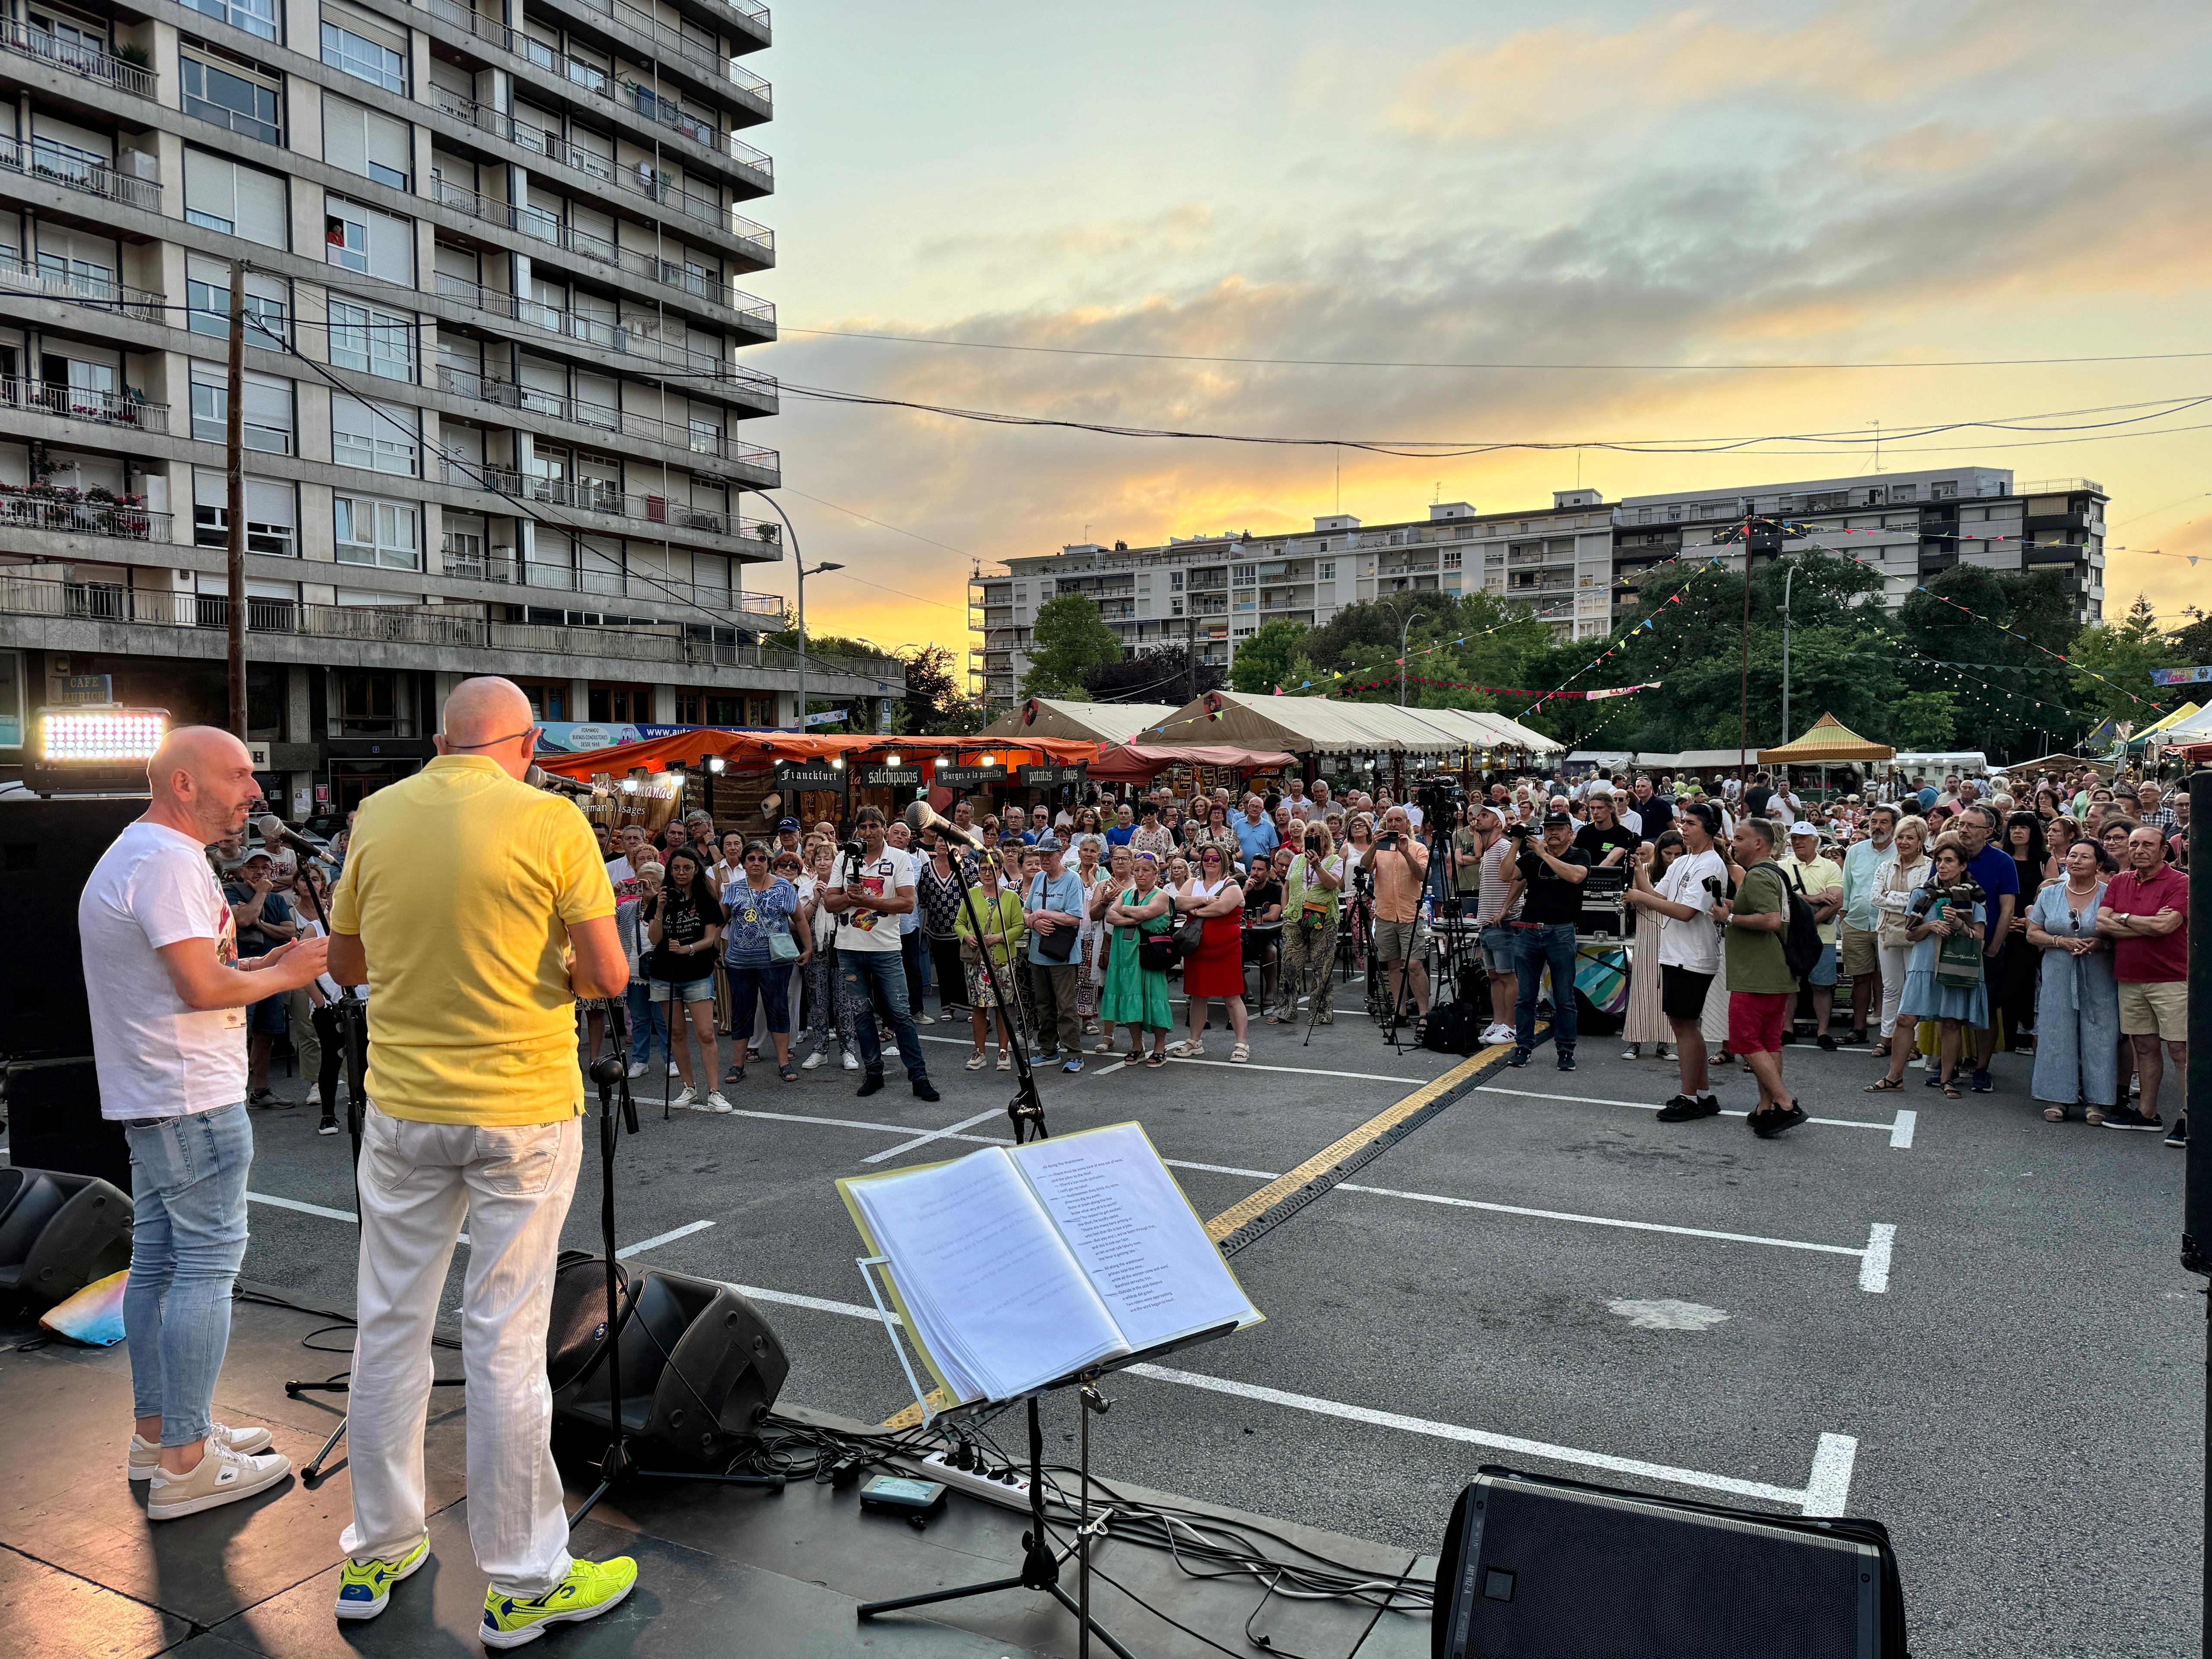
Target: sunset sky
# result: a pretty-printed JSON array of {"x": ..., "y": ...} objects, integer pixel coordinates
[{"x": 1568, "y": 184}]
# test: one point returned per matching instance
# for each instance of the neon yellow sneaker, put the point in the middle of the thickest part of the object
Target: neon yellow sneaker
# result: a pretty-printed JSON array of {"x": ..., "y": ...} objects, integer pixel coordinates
[
  {"x": 364, "y": 1586},
  {"x": 589, "y": 1588}
]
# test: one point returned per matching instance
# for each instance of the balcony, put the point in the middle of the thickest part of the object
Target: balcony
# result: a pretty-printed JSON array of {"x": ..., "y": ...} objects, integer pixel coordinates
[
  {"x": 73, "y": 512},
  {"x": 596, "y": 332},
  {"x": 50, "y": 164},
  {"x": 585, "y": 496},
  {"x": 82, "y": 288},
  {"x": 762, "y": 611},
  {"x": 747, "y": 87},
  {"x": 82, "y": 404},
  {"x": 756, "y": 464},
  {"x": 71, "y": 58}
]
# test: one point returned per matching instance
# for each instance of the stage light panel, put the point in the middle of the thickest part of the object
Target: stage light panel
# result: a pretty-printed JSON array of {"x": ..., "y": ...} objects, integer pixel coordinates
[{"x": 102, "y": 736}]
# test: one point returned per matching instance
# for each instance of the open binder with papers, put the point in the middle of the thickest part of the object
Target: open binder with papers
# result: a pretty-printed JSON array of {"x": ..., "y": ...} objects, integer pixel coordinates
[{"x": 1019, "y": 1267}]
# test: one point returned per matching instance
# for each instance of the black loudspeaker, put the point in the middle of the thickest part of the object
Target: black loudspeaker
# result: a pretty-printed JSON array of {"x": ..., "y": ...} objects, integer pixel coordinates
[
  {"x": 1538, "y": 1568},
  {"x": 700, "y": 1366},
  {"x": 59, "y": 1232},
  {"x": 54, "y": 1120},
  {"x": 47, "y": 849},
  {"x": 2196, "y": 1190}
]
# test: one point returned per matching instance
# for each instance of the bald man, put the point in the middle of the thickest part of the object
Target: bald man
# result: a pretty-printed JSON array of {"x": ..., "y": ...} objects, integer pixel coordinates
[
  {"x": 168, "y": 995},
  {"x": 478, "y": 910}
]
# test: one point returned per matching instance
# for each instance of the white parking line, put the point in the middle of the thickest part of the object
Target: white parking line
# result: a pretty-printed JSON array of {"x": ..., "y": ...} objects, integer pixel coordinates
[
  {"x": 668, "y": 1237},
  {"x": 1899, "y": 1133},
  {"x": 276, "y": 1203},
  {"x": 947, "y": 1133},
  {"x": 1874, "y": 1262}
]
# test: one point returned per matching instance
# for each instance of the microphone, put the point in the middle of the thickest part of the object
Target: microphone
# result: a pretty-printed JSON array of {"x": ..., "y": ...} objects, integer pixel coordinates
[
  {"x": 275, "y": 832},
  {"x": 539, "y": 778},
  {"x": 922, "y": 816}
]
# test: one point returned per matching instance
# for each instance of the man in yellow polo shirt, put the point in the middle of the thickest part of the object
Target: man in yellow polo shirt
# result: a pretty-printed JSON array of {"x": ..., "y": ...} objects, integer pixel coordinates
[{"x": 478, "y": 910}]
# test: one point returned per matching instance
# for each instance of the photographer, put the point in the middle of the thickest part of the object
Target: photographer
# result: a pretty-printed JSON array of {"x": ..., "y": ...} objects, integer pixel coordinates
[
  {"x": 866, "y": 888},
  {"x": 1689, "y": 953},
  {"x": 1554, "y": 869},
  {"x": 1496, "y": 907},
  {"x": 1605, "y": 838},
  {"x": 1400, "y": 864}
]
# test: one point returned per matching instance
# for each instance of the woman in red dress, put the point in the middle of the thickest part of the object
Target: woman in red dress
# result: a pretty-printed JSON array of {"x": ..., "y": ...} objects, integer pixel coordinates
[{"x": 1217, "y": 967}]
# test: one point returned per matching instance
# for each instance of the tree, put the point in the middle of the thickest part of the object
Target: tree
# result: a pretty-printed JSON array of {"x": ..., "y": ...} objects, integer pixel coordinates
[
  {"x": 1926, "y": 721},
  {"x": 1161, "y": 676},
  {"x": 934, "y": 705},
  {"x": 1070, "y": 639},
  {"x": 2193, "y": 644},
  {"x": 2113, "y": 663},
  {"x": 1986, "y": 636},
  {"x": 1274, "y": 656}
]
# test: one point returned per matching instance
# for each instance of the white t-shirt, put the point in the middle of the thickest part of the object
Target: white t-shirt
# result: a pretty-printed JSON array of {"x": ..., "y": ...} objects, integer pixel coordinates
[
  {"x": 1693, "y": 943},
  {"x": 1413, "y": 815},
  {"x": 880, "y": 876},
  {"x": 156, "y": 1056}
]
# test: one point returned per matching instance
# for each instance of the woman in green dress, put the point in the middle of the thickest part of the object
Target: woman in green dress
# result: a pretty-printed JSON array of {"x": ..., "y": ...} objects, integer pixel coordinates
[{"x": 1137, "y": 996}]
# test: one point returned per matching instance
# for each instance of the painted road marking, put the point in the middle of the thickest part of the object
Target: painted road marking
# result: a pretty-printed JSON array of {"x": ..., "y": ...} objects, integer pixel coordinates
[
  {"x": 323, "y": 1210},
  {"x": 1899, "y": 1133},
  {"x": 1242, "y": 1066},
  {"x": 668, "y": 1237},
  {"x": 1874, "y": 1262},
  {"x": 947, "y": 1133}
]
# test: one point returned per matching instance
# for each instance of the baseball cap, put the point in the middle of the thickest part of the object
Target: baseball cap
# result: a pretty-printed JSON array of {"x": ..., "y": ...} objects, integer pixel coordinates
[
  {"x": 782, "y": 824},
  {"x": 1801, "y": 827},
  {"x": 1491, "y": 807},
  {"x": 1556, "y": 820}
]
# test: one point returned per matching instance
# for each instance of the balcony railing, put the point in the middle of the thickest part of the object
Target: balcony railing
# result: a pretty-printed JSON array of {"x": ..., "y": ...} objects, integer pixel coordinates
[
  {"x": 642, "y": 180},
  {"x": 90, "y": 62},
  {"x": 83, "y": 403},
  {"x": 764, "y": 464},
  {"x": 587, "y": 495},
  {"x": 53, "y": 165},
  {"x": 446, "y": 627},
  {"x": 764, "y": 609},
  {"x": 73, "y": 513},
  {"x": 596, "y": 332},
  {"x": 667, "y": 43},
  {"x": 79, "y": 287}
]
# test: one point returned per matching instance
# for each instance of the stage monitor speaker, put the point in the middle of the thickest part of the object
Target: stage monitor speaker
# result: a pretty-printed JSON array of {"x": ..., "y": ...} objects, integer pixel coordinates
[
  {"x": 1539, "y": 1568},
  {"x": 700, "y": 1366},
  {"x": 54, "y": 1120},
  {"x": 59, "y": 1232},
  {"x": 47, "y": 849}
]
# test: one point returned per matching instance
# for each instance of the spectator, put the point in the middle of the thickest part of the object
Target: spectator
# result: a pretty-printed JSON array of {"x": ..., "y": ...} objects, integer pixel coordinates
[
  {"x": 937, "y": 893},
  {"x": 830, "y": 1014},
  {"x": 1655, "y": 812},
  {"x": 264, "y": 921},
  {"x": 646, "y": 1017},
  {"x": 1820, "y": 882},
  {"x": 862, "y": 893},
  {"x": 1991, "y": 867},
  {"x": 1688, "y": 949},
  {"x": 2145, "y": 914},
  {"x": 1265, "y": 894},
  {"x": 1498, "y": 907},
  {"x": 1312, "y": 902},
  {"x": 1052, "y": 911},
  {"x": 1553, "y": 870},
  {"x": 1938, "y": 985},
  {"x": 761, "y": 907},
  {"x": 684, "y": 922},
  {"x": 913, "y": 942},
  {"x": 1761, "y": 988},
  {"x": 1400, "y": 864},
  {"x": 2152, "y": 811},
  {"x": 2015, "y": 993},
  {"x": 1124, "y": 826},
  {"x": 990, "y": 925},
  {"x": 1256, "y": 837},
  {"x": 2077, "y": 1025},
  {"x": 1136, "y": 995},
  {"x": 1894, "y": 882},
  {"x": 1606, "y": 840},
  {"x": 1151, "y": 836},
  {"x": 1115, "y": 879},
  {"x": 1646, "y": 1019},
  {"x": 1859, "y": 952},
  {"x": 1216, "y": 969}
]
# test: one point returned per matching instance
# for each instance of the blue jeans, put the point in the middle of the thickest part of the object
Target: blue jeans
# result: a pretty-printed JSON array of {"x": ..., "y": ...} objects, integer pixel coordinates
[
  {"x": 187, "y": 1240},
  {"x": 645, "y": 1019},
  {"x": 1534, "y": 948},
  {"x": 766, "y": 984},
  {"x": 881, "y": 974},
  {"x": 913, "y": 951}
]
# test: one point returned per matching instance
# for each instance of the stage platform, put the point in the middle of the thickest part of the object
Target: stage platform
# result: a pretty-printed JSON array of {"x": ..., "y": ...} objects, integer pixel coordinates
[{"x": 722, "y": 1572}]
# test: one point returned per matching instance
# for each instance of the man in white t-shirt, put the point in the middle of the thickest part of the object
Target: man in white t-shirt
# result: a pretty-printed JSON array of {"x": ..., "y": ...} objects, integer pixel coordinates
[
  {"x": 1689, "y": 949},
  {"x": 168, "y": 997},
  {"x": 868, "y": 896}
]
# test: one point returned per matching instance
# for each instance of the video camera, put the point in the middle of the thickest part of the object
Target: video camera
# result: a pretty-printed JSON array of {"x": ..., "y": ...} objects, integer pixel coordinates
[
  {"x": 1960, "y": 893},
  {"x": 1440, "y": 795}
]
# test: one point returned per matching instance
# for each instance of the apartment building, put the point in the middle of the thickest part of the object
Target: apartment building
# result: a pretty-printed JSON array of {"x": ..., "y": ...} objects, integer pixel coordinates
[
  {"x": 1574, "y": 564},
  {"x": 493, "y": 412},
  {"x": 1209, "y": 592}
]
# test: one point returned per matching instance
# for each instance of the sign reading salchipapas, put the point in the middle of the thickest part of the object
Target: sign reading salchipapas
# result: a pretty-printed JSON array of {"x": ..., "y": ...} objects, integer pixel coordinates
[
  {"x": 802, "y": 775},
  {"x": 1052, "y": 777},
  {"x": 966, "y": 777},
  {"x": 891, "y": 777}
]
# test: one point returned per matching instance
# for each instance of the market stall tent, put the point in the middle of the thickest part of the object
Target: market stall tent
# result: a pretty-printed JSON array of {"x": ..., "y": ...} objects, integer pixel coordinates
[
  {"x": 1828, "y": 742},
  {"x": 1327, "y": 726},
  {"x": 1099, "y": 722}
]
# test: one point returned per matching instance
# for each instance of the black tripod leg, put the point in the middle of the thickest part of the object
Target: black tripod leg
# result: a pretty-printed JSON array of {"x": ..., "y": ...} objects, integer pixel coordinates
[
  {"x": 1092, "y": 1625},
  {"x": 870, "y": 1609},
  {"x": 313, "y": 1471}
]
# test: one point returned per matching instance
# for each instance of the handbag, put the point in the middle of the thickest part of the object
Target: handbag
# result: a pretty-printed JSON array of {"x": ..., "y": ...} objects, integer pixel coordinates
[
  {"x": 1057, "y": 946},
  {"x": 1156, "y": 952},
  {"x": 783, "y": 948},
  {"x": 1959, "y": 961},
  {"x": 1188, "y": 936}
]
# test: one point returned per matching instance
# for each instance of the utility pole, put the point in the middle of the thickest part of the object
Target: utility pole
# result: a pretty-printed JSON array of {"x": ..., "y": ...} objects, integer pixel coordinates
[
  {"x": 1412, "y": 616},
  {"x": 234, "y": 439},
  {"x": 1743, "y": 707},
  {"x": 1788, "y": 576}
]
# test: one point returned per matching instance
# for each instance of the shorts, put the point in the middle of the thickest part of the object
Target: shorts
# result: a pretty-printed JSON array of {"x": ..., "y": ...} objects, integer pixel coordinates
[
  {"x": 686, "y": 991},
  {"x": 266, "y": 1017},
  {"x": 1497, "y": 951},
  {"x": 1397, "y": 941},
  {"x": 1861, "y": 953},
  {"x": 1682, "y": 991},
  {"x": 1824, "y": 971},
  {"x": 1756, "y": 1020},
  {"x": 2155, "y": 1008}
]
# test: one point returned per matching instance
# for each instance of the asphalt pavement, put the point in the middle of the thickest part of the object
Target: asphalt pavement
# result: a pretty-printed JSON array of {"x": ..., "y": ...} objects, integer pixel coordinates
[{"x": 1951, "y": 1316}]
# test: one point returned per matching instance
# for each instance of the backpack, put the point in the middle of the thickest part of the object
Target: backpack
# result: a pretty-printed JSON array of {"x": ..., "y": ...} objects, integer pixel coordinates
[
  {"x": 1801, "y": 940},
  {"x": 1454, "y": 1028}
]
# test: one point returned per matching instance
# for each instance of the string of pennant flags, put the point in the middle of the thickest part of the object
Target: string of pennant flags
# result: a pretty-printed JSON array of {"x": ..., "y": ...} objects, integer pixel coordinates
[
  {"x": 1387, "y": 683},
  {"x": 1650, "y": 624}
]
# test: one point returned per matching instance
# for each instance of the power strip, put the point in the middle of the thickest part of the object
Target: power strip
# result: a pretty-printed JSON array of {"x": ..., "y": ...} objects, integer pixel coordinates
[{"x": 1012, "y": 1492}]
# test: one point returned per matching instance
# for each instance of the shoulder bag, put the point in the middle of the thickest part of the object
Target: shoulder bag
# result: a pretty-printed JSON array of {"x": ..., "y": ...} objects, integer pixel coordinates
[
  {"x": 1188, "y": 934},
  {"x": 1156, "y": 952}
]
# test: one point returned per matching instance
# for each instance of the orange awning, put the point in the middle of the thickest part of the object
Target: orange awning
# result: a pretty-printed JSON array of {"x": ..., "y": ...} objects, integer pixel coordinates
[{"x": 740, "y": 749}]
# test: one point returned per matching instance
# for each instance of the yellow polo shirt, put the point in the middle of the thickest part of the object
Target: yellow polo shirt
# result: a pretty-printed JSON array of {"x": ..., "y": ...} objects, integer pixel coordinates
[{"x": 462, "y": 885}]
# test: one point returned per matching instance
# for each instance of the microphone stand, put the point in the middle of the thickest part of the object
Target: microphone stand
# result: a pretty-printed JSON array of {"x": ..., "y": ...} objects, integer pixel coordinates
[{"x": 1026, "y": 1109}]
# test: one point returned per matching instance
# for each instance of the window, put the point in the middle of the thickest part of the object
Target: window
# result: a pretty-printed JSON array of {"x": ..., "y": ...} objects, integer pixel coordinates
[
  {"x": 360, "y": 238},
  {"x": 207, "y": 299},
  {"x": 267, "y": 416},
  {"x": 221, "y": 194},
  {"x": 381, "y": 437},
  {"x": 1325, "y": 571},
  {"x": 379, "y": 343},
  {"x": 369, "y": 531},
  {"x": 254, "y": 16},
  {"x": 350, "y": 49},
  {"x": 1945, "y": 490},
  {"x": 235, "y": 98},
  {"x": 271, "y": 514},
  {"x": 1247, "y": 573},
  {"x": 364, "y": 141}
]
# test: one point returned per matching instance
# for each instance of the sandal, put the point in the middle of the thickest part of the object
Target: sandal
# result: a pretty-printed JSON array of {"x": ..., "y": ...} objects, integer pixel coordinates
[
  {"x": 1155, "y": 1058},
  {"x": 1240, "y": 1053},
  {"x": 1881, "y": 1049},
  {"x": 1102, "y": 1048},
  {"x": 1884, "y": 1085},
  {"x": 1135, "y": 1057},
  {"x": 787, "y": 1072},
  {"x": 1951, "y": 1091},
  {"x": 1187, "y": 1050},
  {"x": 2054, "y": 1114}
]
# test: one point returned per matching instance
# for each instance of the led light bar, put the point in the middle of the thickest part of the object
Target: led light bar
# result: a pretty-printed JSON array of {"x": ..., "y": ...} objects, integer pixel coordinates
[{"x": 96, "y": 737}]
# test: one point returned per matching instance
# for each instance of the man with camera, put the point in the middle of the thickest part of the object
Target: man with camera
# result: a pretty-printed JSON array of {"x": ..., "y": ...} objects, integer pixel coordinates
[
  {"x": 1553, "y": 870},
  {"x": 1761, "y": 988},
  {"x": 1689, "y": 950},
  {"x": 1497, "y": 908},
  {"x": 1400, "y": 864},
  {"x": 871, "y": 888}
]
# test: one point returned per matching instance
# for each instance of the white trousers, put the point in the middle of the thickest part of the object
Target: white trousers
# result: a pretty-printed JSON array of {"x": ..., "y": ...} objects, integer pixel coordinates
[
  {"x": 419, "y": 1182},
  {"x": 1893, "y": 983}
]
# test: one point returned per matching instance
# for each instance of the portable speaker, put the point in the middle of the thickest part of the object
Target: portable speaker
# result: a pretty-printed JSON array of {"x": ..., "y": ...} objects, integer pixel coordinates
[
  {"x": 2196, "y": 1189},
  {"x": 54, "y": 1120},
  {"x": 700, "y": 1366},
  {"x": 47, "y": 849},
  {"x": 59, "y": 1232},
  {"x": 1538, "y": 1568}
]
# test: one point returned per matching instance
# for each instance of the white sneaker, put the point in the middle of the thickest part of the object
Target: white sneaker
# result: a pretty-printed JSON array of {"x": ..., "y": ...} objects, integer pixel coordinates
[
  {"x": 925, "y": 1019},
  {"x": 813, "y": 1060},
  {"x": 223, "y": 1476},
  {"x": 672, "y": 1070},
  {"x": 1005, "y": 1060},
  {"x": 684, "y": 1095},
  {"x": 852, "y": 1062},
  {"x": 637, "y": 1068},
  {"x": 146, "y": 1455},
  {"x": 975, "y": 1061},
  {"x": 715, "y": 1102},
  {"x": 1498, "y": 1034}
]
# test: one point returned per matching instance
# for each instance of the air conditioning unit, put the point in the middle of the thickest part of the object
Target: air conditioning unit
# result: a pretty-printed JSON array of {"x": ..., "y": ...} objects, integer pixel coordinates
[{"x": 140, "y": 164}]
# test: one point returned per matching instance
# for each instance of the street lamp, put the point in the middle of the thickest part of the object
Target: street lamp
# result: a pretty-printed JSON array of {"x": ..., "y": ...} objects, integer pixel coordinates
[
  {"x": 1412, "y": 616},
  {"x": 798, "y": 563},
  {"x": 1788, "y": 576}
]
